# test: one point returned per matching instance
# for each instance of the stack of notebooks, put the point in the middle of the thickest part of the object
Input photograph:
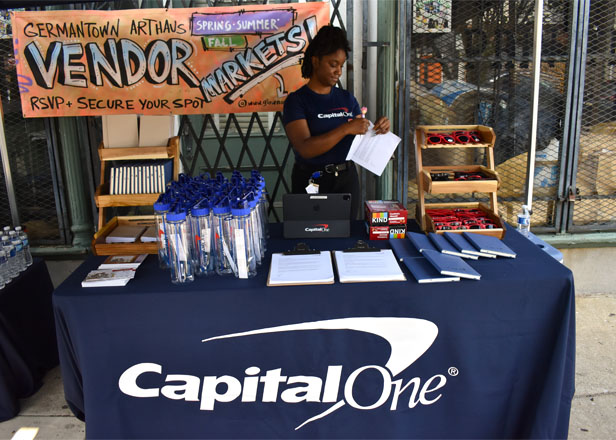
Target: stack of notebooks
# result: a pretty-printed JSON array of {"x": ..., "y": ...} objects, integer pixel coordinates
[
  {"x": 116, "y": 270},
  {"x": 132, "y": 233},
  {"x": 436, "y": 258},
  {"x": 144, "y": 177}
]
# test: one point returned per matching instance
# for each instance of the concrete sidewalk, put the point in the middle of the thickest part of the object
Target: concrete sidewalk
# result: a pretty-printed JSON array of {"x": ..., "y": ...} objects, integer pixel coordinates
[{"x": 593, "y": 413}]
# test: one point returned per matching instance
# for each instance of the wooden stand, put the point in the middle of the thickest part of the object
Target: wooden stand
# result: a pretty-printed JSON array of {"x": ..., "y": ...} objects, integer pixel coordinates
[
  {"x": 425, "y": 184},
  {"x": 105, "y": 200}
]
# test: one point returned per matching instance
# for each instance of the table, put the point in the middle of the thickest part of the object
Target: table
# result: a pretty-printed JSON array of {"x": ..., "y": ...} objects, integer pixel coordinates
[
  {"x": 27, "y": 336},
  {"x": 475, "y": 359}
]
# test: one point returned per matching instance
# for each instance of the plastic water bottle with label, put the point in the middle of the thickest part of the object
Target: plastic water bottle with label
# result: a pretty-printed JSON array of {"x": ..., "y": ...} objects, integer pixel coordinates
[
  {"x": 178, "y": 240},
  {"x": 20, "y": 262},
  {"x": 201, "y": 229},
  {"x": 26, "y": 244},
  {"x": 255, "y": 219},
  {"x": 524, "y": 221},
  {"x": 161, "y": 208},
  {"x": 4, "y": 270},
  {"x": 224, "y": 261},
  {"x": 243, "y": 245},
  {"x": 12, "y": 266}
]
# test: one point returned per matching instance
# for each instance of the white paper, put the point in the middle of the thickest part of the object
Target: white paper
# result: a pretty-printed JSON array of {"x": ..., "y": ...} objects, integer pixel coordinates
[
  {"x": 240, "y": 253},
  {"x": 368, "y": 266},
  {"x": 372, "y": 151},
  {"x": 301, "y": 269},
  {"x": 206, "y": 239}
]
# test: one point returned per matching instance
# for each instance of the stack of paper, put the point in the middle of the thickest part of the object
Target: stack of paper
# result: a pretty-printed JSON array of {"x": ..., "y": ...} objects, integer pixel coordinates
[
  {"x": 108, "y": 277},
  {"x": 372, "y": 151},
  {"x": 357, "y": 267},
  {"x": 150, "y": 235},
  {"x": 288, "y": 270},
  {"x": 123, "y": 261},
  {"x": 125, "y": 234}
]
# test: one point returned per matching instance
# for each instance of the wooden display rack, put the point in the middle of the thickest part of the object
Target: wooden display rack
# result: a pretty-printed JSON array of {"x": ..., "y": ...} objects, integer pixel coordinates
[
  {"x": 425, "y": 184},
  {"x": 105, "y": 200}
]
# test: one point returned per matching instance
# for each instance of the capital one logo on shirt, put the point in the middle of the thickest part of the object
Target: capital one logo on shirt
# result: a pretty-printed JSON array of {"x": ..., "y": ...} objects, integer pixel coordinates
[
  {"x": 409, "y": 339},
  {"x": 341, "y": 112}
]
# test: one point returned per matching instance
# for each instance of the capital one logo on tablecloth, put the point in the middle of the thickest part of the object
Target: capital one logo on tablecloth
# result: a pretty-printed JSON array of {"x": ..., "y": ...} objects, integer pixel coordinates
[{"x": 409, "y": 339}]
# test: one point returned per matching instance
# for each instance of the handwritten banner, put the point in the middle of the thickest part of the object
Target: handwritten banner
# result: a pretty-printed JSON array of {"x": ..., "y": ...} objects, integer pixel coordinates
[{"x": 162, "y": 61}]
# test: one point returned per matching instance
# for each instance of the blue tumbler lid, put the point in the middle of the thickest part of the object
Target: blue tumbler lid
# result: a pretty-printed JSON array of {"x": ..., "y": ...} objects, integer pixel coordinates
[
  {"x": 176, "y": 216},
  {"x": 201, "y": 208},
  {"x": 222, "y": 206},
  {"x": 238, "y": 212},
  {"x": 161, "y": 206}
]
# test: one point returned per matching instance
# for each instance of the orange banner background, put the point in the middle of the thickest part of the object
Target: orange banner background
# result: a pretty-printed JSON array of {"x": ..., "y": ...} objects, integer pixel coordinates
[{"x": 162, "y": 61}]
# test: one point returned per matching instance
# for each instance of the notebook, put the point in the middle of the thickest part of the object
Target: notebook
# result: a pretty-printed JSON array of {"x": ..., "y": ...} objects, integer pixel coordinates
[
  {"x": 316, "y": 215},
  {"x": 444, "y": 246},
  {"x": 425, "y": 272},
  {"x": 489, "y": 244},
  {"x": 462, "y": 244},
  {"x": 403, "y": 248},
  {"x": 450, "y": 265},
  {"x": 420, "y": 241}
]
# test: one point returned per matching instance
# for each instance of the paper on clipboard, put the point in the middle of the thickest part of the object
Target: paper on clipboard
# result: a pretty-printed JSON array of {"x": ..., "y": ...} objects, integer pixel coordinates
[
  {"x": 372, "y": 151},
  {"x": 359, "y": 267},
  {"x": 288, "y": 270}
]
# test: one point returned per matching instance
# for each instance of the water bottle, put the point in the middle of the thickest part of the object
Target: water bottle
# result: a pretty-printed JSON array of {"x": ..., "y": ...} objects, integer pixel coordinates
[
  {"x": 201, "y": 222},
  {"x": 12, "y": 261},
  {"x": 264, "y": 208},
  {"x": 524, "y": 221},
  {"x": 26, "y": 243},
  {"x": 4, "y": 275},
  {"x": 257, "y": 231},
  {"x": 178, "y": 240},
  {"x": 243, "y": 249},
  {"x": 19, "y": 254},
  {"x": 161, "y": 209},
  {"x": 9, "y": 249},
  {"x": 224, "y": 262},
  {"x": 19, "y": 249}
]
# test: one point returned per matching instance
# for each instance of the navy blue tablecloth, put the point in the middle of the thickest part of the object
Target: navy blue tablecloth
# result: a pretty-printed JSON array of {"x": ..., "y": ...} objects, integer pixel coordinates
[
  {"x": 27, "y": 336},
  {"x": 475, "y": 359}
]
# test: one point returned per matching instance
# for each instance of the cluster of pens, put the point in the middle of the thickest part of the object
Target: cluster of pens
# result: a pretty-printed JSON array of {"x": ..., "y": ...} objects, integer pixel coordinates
[{"x": 212, "y": 225}]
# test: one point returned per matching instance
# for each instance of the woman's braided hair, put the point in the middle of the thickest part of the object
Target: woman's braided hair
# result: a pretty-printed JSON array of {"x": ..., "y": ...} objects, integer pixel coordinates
[{"x": 328, "y": 40}]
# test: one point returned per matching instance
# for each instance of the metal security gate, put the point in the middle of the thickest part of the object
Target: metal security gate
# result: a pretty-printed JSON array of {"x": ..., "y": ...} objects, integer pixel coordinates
[
  {"x": 471, "y": 63},
  {"x": 590, "y": 199},
  {"x": 31, "y": 189}
]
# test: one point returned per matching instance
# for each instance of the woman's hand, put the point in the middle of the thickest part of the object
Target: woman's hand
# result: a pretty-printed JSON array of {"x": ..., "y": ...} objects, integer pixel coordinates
[
  {"x": 381, "y": 126},
  {"x": 358, "y": 125}
]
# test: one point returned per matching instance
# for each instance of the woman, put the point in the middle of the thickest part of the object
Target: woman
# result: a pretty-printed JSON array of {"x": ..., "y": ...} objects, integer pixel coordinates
[{"x": 321, "y": 120}]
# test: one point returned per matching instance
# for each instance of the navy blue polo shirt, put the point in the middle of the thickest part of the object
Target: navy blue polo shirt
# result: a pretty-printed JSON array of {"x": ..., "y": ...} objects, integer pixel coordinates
[{"x": 322, "y": 113}]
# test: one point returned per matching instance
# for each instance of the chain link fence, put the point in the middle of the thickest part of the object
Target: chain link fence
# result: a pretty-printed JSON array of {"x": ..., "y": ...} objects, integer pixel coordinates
[
  {"x": 472, "y": 64},
  {"x": 595, "y": 183},
  {"x": 32, "y": 177}
]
